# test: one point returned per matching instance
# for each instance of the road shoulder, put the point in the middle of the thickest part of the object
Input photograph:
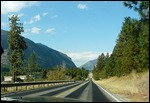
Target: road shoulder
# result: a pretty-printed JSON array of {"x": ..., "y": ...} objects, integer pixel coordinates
[{"x": 112, "y": 96}]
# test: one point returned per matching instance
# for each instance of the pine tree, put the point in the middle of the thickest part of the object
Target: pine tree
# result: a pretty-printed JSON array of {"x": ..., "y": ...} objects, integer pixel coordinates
[
  {"x": 98, "y": 70},
  {"x": 130, "y": 31},
  {"x": 16, "y": 45},
  {"x": 95, "y": 73},
  {"x": 101, "y": 62},
  {"x": 32, "y": 65},
  {"x": 43, "y": 73},
  {"x": 143, "y": 58},
  {"x": 142, "y": 7},
  {"x": 106, "y": 69},
  {"x": 118, "y": 54}
]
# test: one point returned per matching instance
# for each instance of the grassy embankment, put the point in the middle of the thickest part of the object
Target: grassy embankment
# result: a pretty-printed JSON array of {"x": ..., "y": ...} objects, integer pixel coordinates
[{"x": 134, "y": 87}]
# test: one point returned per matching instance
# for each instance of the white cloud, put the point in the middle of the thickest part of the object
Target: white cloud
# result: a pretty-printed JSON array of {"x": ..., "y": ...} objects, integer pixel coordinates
[
  {"x": 50, "y": 30},
  {"x": 82, "y": 6},
  {"x": 32, "y": 31},
  {"x": 26, "y": 32},
  {"x": 15, "y": 6},
  {"x": 44, "y": 14},
  {"x": 54, "y": 16},
  {"x": 80, "y": 58},
  {"x": 83, "y": 55},
  {"x": 35, "y": 30},
  {"x": 20, "y": 15},
  {"x": 24, "y": 22},
  {"x": 34, "y": 19}
]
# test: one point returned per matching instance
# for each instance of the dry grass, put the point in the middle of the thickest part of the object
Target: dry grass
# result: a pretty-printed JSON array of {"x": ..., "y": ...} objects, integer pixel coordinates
[
  {"x": 19, "y": 88},
  {"x": 135, "y": 86}
]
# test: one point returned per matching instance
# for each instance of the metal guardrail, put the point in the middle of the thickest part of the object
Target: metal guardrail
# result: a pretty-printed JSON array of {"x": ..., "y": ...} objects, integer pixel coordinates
[
  {"x": 30, "y": 83},
  {"x": 7, "y": 85}
]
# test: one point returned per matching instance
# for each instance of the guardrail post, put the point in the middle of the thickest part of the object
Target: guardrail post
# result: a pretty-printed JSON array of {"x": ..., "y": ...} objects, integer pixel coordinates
[
  {"x": 4, "y": 89},
  {"x": 16, "y": 88}
]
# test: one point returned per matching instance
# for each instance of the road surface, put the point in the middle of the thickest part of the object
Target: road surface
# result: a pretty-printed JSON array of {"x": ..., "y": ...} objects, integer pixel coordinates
[{"x": 86, "y": 91}]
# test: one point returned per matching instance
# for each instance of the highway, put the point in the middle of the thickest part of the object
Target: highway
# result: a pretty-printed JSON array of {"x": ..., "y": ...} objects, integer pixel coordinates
[{"x": 86, "y": 91}]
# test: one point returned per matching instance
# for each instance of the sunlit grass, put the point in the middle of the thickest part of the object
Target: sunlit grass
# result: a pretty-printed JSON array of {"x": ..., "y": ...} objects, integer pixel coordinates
[{"x": 135, "y": 86}]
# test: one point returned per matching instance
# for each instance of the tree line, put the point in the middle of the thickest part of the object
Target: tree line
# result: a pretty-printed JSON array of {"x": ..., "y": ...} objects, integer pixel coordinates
[
  {"x": 62, "y": 73},
  {"x": 131, "y": 51}
]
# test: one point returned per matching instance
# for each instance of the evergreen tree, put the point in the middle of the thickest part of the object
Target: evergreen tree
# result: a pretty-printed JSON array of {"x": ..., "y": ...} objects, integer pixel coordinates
[
  {"x": 43, "y": 73},
  {"x": 130, "y": 49},
  {"x": 111, "y": 65},
  {"x": 142, "y": 7},
  {"x": 98, "y": 69},
  {"x": 32, "y": 65},
  {"x": 101, "y": 62},
  {"x": 143, "y": 26},
  {"x": 16, "y": 45},
  {"x": 106, "y": 69},
  {"x": 143, "y": 57},
  {"x": 118, "y": 53},
  {"x": 95, "y": 73}
]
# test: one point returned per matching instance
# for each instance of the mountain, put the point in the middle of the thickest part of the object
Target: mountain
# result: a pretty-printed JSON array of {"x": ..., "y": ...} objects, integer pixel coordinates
[
  {"x": 46, "y": 56},
  {"x": 89, "y": 65}
]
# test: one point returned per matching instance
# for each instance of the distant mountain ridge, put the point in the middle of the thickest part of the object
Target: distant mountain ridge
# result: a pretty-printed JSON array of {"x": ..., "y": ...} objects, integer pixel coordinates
[
  {"x": 89, "y": 65},
  {"x": 46, "y": 56}
]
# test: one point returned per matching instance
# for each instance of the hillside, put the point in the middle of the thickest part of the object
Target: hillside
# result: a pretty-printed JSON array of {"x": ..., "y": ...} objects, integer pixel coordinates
[
  {"x": 89, "y": 65},
  {"x": 133, "y": 87},
  {"x": 46, "y": 56}
]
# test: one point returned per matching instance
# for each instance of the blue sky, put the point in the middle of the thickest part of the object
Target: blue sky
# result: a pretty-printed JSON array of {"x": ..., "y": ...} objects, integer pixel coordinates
[{"x": 81, "y": 29}]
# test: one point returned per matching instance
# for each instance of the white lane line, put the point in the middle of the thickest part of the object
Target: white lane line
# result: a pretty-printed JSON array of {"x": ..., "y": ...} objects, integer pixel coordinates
[
  {"x": 108, "y": 93},
  {"x": 65, "y": 93},
  {"x": 49, "y": 91},
  {"x": 86, "y": 95}
]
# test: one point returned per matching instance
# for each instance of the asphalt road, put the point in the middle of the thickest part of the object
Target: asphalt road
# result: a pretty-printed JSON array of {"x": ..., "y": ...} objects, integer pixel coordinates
[
  {"x": 86, "y": 91},
  {"x": 89, "y": 93}
]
